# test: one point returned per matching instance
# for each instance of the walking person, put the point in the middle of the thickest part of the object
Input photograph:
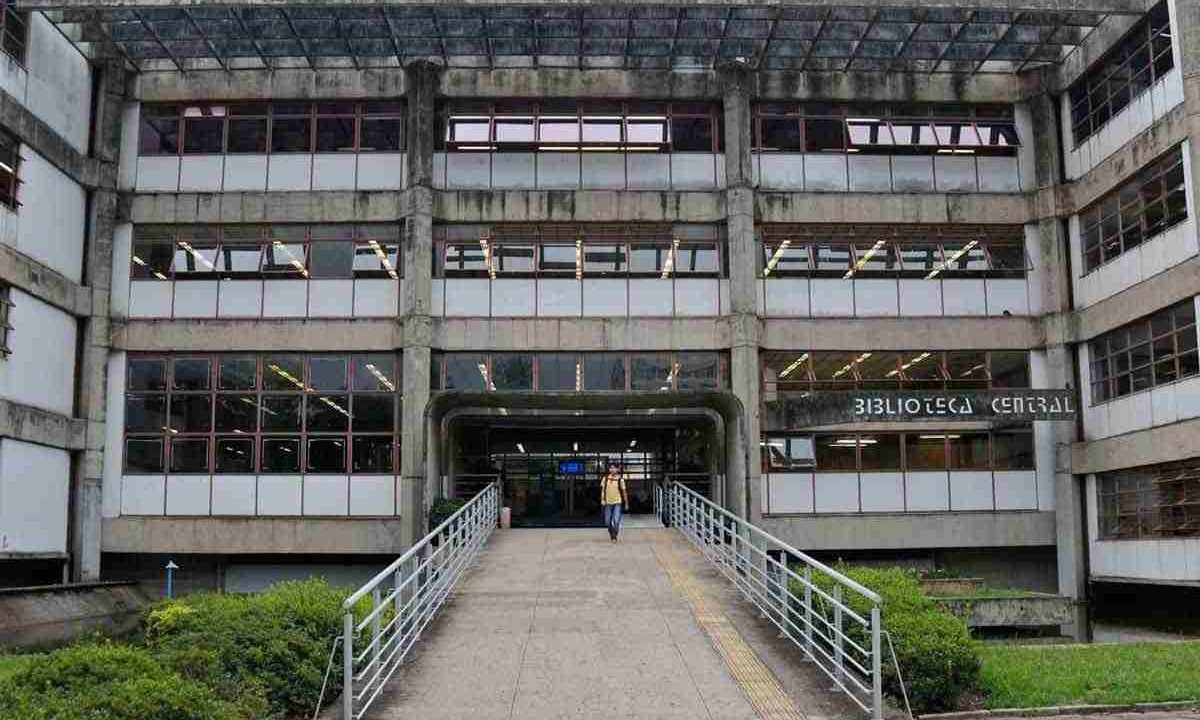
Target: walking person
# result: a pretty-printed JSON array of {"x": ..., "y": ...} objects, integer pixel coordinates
[{"x": 612, "y": 496}]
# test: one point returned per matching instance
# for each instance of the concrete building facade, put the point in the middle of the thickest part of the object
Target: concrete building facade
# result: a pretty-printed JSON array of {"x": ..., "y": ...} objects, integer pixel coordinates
[{"x": 339, "y": 262}]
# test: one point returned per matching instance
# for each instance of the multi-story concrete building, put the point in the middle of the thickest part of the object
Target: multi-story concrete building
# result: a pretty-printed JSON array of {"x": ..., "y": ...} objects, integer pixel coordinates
[{"x": 848, "y": 270}]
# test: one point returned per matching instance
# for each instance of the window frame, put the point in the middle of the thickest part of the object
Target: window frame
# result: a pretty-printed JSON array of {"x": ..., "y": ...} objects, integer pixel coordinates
[
  {"x": 14, "y": 44},
  {"x": 6, "y": 306},
  {"x": 1149, "y": 502},
  {"x": 675, "y": 361},
  {"x": 800, "y": 369},
  {"x": 10, "y": 169},
  {"x": 903, "y": 441},
  {"x": 1111, "y": 355}
]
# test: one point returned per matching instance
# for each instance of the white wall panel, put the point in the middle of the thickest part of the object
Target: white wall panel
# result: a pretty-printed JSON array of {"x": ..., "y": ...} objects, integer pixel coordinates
[
  {"x": 188, "y": 494},
  {"x": 142, "y": 494},
  {"x": 927, "y": 491},
  {"x": 326, "y": 494},
  {"x": 469, "y": 170},
  {"x": 651, "y": 297},
  {"x": 954, "y": 174},
  {"x": 381, "y": 171},
  {"x": 697, "y": 297},
  {"x": 963, "y": 297},
  {"x": 511, "y": 297},
  {"x": 1187, "y": 399},
  {"x": 150, "y": 299},
  {"x": 376, "y": 298},
  {"x": 245, "y": 173},
  {"x": 334, "y": 171},
  {"x": 835, "y": 492},
  {"x": 372, "y": 495},
  {"x": 998, "y": 174},
  {"x": 781, "y": 172},
  {"x": 195, "y": 298},
  {"x": 825, "y": 172},
  {"x": 35, "y": 486},
  {"x": 870, "y": 173},
  {"x": 874, "y": 298},
  {"x": 559, "y": 298},
  {"x": 604, "y": 171},
  {"x": 59, "y": 82},
  {"x": 882, "y": 491},
  {"x": 330, "y": 298},
  {"x": 557, "y": 170},
  {"x": 790, "y": 493},
  {"x": 1010, "y": 295},
  {"x": 279, "y": 494},
  {"x": 912, "y": 173},
  {"x": 233, "y": 494},
  {"x": 1162, "y": 405},
  {"x": 469, "y": 297},
  {"x": 1016, "y": 490},
  {"x": 971, "y": 490},
  {"x": 831, "y": 298},
  {"x": 201, "y": 173},
  {"x": 51, "y": 215},
  {"x": 437, "y": 298},
  {"x": 285, "y": 298},
  {"x": 787, "y": 297},
  {"x": 920, "y": 298},
  {"x": 605, "y": 298},
  {"x": 240, "y": 298},
  {"x": 693, "y": 171},
  {"x": 648, "y": 172},
  {"x": 289, "y": 172},
  {"x": 118, "y": 299},
  {"x": 40, "y": 369},
  {"x": 513, "y": 170},
  {"x": 158, "y": 173},
  {"x": 114, "y": 432}
]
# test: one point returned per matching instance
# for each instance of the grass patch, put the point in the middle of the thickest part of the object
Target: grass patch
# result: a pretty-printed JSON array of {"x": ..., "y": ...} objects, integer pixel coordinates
[
  {"x": 1032, "y": 676},
  {"x": 10, "y": 664}
]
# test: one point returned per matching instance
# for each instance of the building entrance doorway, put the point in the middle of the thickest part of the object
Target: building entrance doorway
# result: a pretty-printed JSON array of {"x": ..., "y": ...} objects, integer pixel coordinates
[{"x": 550, "y": 477}]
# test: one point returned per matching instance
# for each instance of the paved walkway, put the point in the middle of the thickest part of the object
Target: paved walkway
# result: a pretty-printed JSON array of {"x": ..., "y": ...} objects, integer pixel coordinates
[{"x": 565, "y": 624}]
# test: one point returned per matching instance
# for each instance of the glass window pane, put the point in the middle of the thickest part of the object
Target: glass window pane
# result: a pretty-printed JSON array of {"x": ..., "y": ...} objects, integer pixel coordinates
[
  {"x": 559, "y": 372},
  {"x": 968, "y": 451},
  {"x": 194, "y": 259},
  {"x": 373, "y": 455},
  {"x": 780, "y": 134},
  {"x": 699, "y": 371},
  {"x": 191, "y": 413},
  {"x": 281, "y": 455},
  {"x": 833, "y": 257},
  {"x": 291, "y": 135},
  {"x": 376, "y": 373},
  {"x": 247, "y": 135},
  {"x": 204, "y": 135},
  {"x": 925, "y": 452},
  {"x": 328, "y": 372},
  {"x": 648, "y": 258},
  {"x": 152, "y": 260},
  {"x": 190, "y": 374},
  {"x": 967, "y": 369},
  {"x": 602, "y": 130},
  {"x": 374, "y": 413},
  {"x": 235, "y": 455},
  {"x": 558, "y": 129},
  {"x": 236, "y": 412},
  {"x": 331, "y": 259},
  {"x": 283, "y": 372},
  {"x": 464, "y": 371},
  {"x": 281, "y": 412},
  {"x": 880, "y": 452},
  {"x": 604, "y": 259},
  {"x": 326, "y": 455},
  {"x": 145, "y": 413},
  {"x": 147, "y": 374},
  {"x": 1012, "y": 450},
  {"x": 697, "y": 259},
  {"x": 836, "y": 452},
  {"x": 512, "y": 371},
  {"x": 189, "y": 455},
  {"x": 557, "y": 259},
  {"x": 1010, "y": 369},
  {"x": 692, "y": 134},
  {"x": 511, "y": 258},
  {"x": 514, "y": 129},
  {"x": 327, "y": 413},
  {"x": 237, "y": 374},
  {"x": 239, "y": 257},
  {"x": 833, "y": 371},
  {"x": 380, "y": 135},
  {"x": 652, "y": 371},
  {"x": 922, "y": 369},
  {"x": 824, "y": 135},
  {"x": 144, "y": 455},
  {"x": 604, "y": 371},
  {"x": 158, "y": 135},
  {"x": 335, "y": 134},
  {"x": 468, "y": 129}
]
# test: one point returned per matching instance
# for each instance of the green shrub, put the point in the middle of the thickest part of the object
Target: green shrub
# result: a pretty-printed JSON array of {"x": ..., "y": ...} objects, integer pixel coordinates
[
  {"x": 938, "y": 658},
  {"x": 108, "y": 682}
]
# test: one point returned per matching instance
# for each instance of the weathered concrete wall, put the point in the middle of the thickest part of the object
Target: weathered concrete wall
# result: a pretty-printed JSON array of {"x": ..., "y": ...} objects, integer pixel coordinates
[
  {"x": 240, "y": 536},
  {"x": 1027, "y": 611},
  {"x": 930, "y": 530},
  {"x": 46, "y": 617}
]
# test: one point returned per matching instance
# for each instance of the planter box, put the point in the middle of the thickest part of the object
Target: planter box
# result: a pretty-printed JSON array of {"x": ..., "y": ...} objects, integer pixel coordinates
[
  {"x": 1033, "y": 610},
  {"x": 951, "y": 586}
]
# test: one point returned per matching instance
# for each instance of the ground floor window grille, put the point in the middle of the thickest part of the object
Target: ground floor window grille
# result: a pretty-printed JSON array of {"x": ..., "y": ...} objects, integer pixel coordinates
[{"x": 1156, "y": 501}]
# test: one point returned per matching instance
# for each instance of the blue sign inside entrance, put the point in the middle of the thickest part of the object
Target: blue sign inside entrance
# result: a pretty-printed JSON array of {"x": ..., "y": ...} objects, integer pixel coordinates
[{"x": 570, "y": 467}]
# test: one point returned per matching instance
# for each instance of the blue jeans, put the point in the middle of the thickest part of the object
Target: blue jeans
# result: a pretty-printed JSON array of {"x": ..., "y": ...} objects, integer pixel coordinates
[{"x": 612, "y": 518}]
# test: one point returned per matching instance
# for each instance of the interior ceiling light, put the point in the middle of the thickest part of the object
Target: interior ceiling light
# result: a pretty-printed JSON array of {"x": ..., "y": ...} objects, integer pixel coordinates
[
  {"x": 383, "y": 259},
  {"x": 669, "y": 265},
  {"x": 380, "y": 377},
  {"x": 776, "y": 257},
  {"x": 795, "y": 364},
  {"x": 953, "y": 259},
  {"x": 864, "y": 259}
]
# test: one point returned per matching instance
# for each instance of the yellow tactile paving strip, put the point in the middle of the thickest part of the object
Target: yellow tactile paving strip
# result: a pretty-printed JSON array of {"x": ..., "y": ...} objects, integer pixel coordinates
[{"x": 756, "y": 680}]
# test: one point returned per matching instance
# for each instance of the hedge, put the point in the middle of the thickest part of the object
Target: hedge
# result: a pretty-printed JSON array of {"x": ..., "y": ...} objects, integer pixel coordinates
[{"x": 938, "y": 658}]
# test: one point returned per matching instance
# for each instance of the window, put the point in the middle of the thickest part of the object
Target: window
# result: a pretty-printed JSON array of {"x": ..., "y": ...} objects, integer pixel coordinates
[
  {"x": 1129, "y": 69},
  {"x": 247, "y": 414},
  {"x": 885, "y": 129},
  {"x": 917, "y": 252},
  {"x": 558, "y": 125},
  {"x": 278, "y": 128},
  {"x": 10, "y": 162},
  {"x": 580, "y": 372},
  {"x": 1155, "y": 501},
  {"x": 918, "y": 451},
  {"x": 580, "y": 251},
  {"x": 14, "y": 30},
  {"x": 209, "y": 252},
  {"x": 802, "y": 371},
  {"x": 1155, "y": 350},
  {"x": 5, "y": 323},
  {"x": 1142, "y": 207}
]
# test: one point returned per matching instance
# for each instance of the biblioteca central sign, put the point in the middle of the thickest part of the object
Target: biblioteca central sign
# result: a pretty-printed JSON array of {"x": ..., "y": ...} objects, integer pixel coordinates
[{"x": 1040, "y": 406}]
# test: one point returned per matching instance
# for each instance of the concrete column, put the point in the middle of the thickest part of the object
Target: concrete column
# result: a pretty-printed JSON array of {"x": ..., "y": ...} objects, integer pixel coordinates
[
  {"x": 1185, "y": 26},
  {"x": 94, "y": 336},
  {"x": 1058, "y": 369},
  {"x": 415, "y": 481}
]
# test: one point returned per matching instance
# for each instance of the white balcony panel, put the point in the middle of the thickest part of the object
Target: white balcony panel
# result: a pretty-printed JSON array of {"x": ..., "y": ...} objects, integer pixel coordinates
[
  {"x": 870, "y": 173},
  {"x": 882, "y": 491},
  {"x": 239, "y": 298},
  {"x": 648, "y": 172},
  {"x": 512, "y": 297},
  {"x": 831, "y": 297},
  {"x": 954, "y": 174},
  {"x": 1016, "y": 490},
  {"x": 513, "y": 171},
  {"x": 469, "y": 297},
  {"x": 471, "y": 171},
  {"x": 334, "y": 171},
  {"x": 605, "y": 298},
  {"x": 285, "y": 298},
  {"x": 1011, "y": 295},
  {"x": 437, "y": 298},
  {"x": 201, "y": 173},
  {"x": 825, "y": 172},
  {"x": 289, "y": 172},
  {"x": 279, "y": 494},
  {"x": 787, "y": 297},
  {"x": 927, "y": 491},
  {"x": 245, "y": 173},
  {"x": 143, "y": 494},
  {"x": 651, "y": 297},
  {"x": 439, "y": 170},
  {"x": 693, "y": 171},
  {"x": 376, "y": 297},
  {"x": 912, "y": 173},
  {"x": 1187, "y": 399},
  {"x": 876, "y": 298},
  {"x": 999, "y": 174},
  {"x": 326, "y": 495},
  {"x": 150, "y": 298},
  {"x": 188, "y": 494},
  {"x": 724, "y": 290},
  {"x": 963, "y": 297},
  {"x": 35, "y": 484},
  {"x": 781, "y": 172},
  {"x": 330, "y": 298},
  {"x": 790, "y": 493},
  {"x": 373, "y": 495},
  {"x": 381, "y": 171},
  {"x": 559, "y": 298},
  {"x": 697, "y": 297},
  {"x": 971, "y": 490},
  {"x": 195, "y": 298},
  {"x": 835, "y": 492},
  {"x": 158, "y": 173},
  {"x": 603, "y": 171},
  {"x": 920, "y": 298},
  {"x": 233, "y": 494},
  {"x": 558, "y": 171}
]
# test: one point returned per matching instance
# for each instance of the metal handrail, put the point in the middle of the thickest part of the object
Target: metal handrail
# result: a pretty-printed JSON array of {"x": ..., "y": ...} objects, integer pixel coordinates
[
  {"x": 812, "y": 604},
  {"x": 404, "y": 599}
]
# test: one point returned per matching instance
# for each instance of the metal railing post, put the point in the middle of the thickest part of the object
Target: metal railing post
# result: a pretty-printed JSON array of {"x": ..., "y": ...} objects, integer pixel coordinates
[
  {"x": 808, "y": 612},
  {"x": 348, "y": 666},
  {"x": 784, "y": 593},
  {"x": 839, "y": 637},
  {"x": 876, "y": 665},
  {"x": 376, "y": 626}
]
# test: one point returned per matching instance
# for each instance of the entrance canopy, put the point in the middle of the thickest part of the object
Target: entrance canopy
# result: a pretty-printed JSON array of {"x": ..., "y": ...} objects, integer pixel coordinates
[{"x": 926, "y": 36}]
